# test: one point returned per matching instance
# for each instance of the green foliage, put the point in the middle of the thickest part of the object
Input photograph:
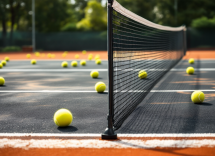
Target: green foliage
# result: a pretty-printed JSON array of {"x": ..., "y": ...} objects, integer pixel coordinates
[
  {"x": 95, "y": 17},
  {"x": 69, "y": 27},
  {"x": 11, "y": 48},
  {"x": 203, "y": 23}
]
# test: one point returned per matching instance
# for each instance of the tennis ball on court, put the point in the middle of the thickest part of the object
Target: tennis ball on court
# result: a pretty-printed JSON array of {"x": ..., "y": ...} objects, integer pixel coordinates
[
  {"x": 49, "y": 55},
  {"x": 2, "y": 81},
  {"x": 190, "y": 70},
  {"x": 64, "y": 64},
  {"x": 90, "y": 57},
  {"x": 53, "y": 56},
  {"x": 83, "y": 62},
  {"x": 3, "y": 62},
  {"x": 191, "y": 61},
  {"x": 84, "y": 52},
  {"x": 33, "y": 61},
  {"x": 94, "y": 74},
  {"x": 74, "y": 63},
  {"x": 197, "y": 97},
  {"x": 100, "y": 87},
  {"x": 142, "y": 74},
  {"x": 7, "y": 59},
  {"x": 1, "y": 65},
  {"x": 28, "y": 55},
  {"x": 76, "y": 56},
  {"x": 37, "y": 54},
  {"x": 97, "y": 57},
  {"x": 98, "y": 61},
  {"x": 63, "y": 117}
]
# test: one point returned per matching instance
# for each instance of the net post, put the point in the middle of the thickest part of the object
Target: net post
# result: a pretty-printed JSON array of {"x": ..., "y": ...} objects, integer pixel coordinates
[{"x": 109, "y": 132}]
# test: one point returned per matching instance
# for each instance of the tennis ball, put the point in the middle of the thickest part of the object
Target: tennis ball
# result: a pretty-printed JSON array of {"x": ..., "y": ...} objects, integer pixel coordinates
[
  {"x": 191, "y": 61},
  {"x": 28, "y": 55},
  {"x": 64, "y": 64},
  {"x": 197, "y": 97},
  {"x": 98, "y": 61},
  {"x": 2, "y": 81},
  {"x": 7, "y": 59},
  {"x": 90, "y": 57},
  {"x": 83, "y": 62},
  {"x": 3, "y": 62},
  {"x": 190, "y": 70},
  {"x": 94, "y": 74},
  {"x": 49, "y": 55},
  {"x": 100, "y": 87},
  {"x": 33, "y": 61},
  {"x": 37, "y": 54},
  {"x": 97, "y": 57},
  {"x": 84, "y": 52},
  {"x": 74, "y": 63},
  {"x": 63, "y": 117},
  {"x": 76, "y": 56},
  {"x": 142, "y": 74},
  {"x": 1, "y": 65}
]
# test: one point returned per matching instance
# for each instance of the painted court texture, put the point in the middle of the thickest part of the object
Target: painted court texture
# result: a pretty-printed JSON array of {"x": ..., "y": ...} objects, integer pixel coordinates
[{"x": 165, "y": 123}]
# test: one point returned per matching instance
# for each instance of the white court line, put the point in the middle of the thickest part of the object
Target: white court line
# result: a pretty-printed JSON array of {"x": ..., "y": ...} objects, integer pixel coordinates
[
  {"x": 83, "y": 70},
  {"x": 91, "y": 91},
  {"x": 49, "y": 70},
  {"x": 189, "y": 135}
]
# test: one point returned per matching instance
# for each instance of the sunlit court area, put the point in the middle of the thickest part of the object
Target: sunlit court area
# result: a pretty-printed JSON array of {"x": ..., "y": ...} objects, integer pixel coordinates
[{"x": 97, "y": 77}]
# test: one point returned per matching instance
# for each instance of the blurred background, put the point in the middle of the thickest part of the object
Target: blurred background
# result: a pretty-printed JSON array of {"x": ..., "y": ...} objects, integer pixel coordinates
[{"x": 82, "y": 24}]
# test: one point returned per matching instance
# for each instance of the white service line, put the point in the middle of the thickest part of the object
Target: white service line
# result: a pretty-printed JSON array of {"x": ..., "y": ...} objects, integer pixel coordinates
[
  {"x": 157, "y": 135},
  {"x": 92, "y": 91},
  {"x": 49, "y": 70},
  {"x": 101, "y": 70}
]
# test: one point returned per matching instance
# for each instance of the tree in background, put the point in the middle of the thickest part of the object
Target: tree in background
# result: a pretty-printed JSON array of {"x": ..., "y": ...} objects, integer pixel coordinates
[{"x": 95, "y": 17}]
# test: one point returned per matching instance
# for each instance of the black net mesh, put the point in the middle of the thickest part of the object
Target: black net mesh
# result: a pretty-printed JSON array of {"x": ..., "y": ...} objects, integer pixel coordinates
[{"x": 139, "y": 47}]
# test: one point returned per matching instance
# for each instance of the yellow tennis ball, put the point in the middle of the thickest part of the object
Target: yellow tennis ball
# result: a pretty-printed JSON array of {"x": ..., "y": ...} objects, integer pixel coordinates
[
  {"x": 76, "y": 56},
  {"x": 3, "y": 62},
  {"x": 191, "y": 61},
  {"x": 83, "y": 62},
  {"x": 74, "y": 63},
  {"x": 94, "y": 74},
  {"x": 100, "y": 87},
  {"x": 33, "y": 61},
  {"x": 84, "y": 52},
  {"x": 37, "y": 54},
  {"x": 190, "y": 70},
  {"x": 197, "y": 97},
  {"x": 2, "y": 81},
  {"x": 28, "y": 55},
  {"x": 97, "y": 57},
  {"x": 142, "y": 74},
  {"x": 90, "y": 57},
  {"x": 64, "y": 64},
  {"x": 49, "y": 55},
  {"x": 98, "y": 61},
  {"x": 7, "y": 59},
  {"x": 63, "y": 117},
  {"x": 1, "y": 65}
]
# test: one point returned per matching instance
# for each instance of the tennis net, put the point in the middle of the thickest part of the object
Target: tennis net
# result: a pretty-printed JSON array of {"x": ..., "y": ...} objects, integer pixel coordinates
[{"x": 137, "y": 44}]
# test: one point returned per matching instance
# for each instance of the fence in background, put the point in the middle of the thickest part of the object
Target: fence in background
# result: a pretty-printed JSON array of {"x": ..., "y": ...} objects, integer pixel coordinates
[{"x": 196, "y": 39}]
